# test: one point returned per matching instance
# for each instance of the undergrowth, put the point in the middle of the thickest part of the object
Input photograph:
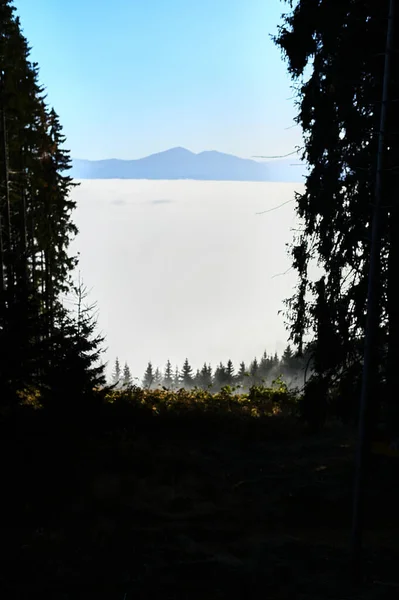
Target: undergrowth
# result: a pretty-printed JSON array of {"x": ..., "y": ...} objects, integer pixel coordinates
[{"x": 259, "y": 401}]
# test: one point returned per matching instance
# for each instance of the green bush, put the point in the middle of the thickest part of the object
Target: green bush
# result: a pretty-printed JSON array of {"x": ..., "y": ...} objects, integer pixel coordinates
[{"x": 259, "y": 401}]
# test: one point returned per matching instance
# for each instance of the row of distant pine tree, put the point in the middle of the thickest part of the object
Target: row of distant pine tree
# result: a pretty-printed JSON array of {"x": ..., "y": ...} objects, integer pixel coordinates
[{"x": 257, "y": 372}]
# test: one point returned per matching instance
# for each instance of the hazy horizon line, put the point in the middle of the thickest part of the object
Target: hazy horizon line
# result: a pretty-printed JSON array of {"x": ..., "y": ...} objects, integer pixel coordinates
[{"x": 251, "y": 158}]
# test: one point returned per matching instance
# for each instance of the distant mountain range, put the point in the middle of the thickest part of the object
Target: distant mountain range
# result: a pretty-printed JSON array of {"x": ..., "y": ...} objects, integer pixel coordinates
[{"x": 179, "y": 163}]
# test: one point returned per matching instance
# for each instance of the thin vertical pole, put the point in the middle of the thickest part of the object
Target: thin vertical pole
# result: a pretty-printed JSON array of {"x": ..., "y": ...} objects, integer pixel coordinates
[{"x": 372, "y": 322}]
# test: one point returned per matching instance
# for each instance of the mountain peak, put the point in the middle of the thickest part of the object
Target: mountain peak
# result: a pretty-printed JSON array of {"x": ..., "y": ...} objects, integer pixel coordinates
[
  {"x": 178, "y": 150},
  {"x": 180, "y": 163}
]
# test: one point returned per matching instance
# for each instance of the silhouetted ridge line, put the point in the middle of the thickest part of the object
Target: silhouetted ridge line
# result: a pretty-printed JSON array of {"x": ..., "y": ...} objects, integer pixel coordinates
[{"x": 180, "y": 163}]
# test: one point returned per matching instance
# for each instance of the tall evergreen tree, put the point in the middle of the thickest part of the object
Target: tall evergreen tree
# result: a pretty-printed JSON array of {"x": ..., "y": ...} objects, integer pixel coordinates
[
  {"x": 339, "y": 99},
  {"x": 265, "y": 367},
  {"x": 35, "y": 215},
  {"x": 176, "y": 378},
  {"x": 220, "y": 376},
  {"x": 127, "y": 380},
  {"x": 148, "y": 379},
  {"x": 229, "y": 373},
  {"x": 186, "y": 376},
  {"x": 288, "y": 359},
  {"x": 205, "y": 377},
  {"x": 254, "y": 372},
  {"x": 117, "y": 373},
  {"x": 209, "y": 375},
  {"x": 241, "y": 374},
  {"x": 168, "y": 376},
  {"x": 197, "y": 378},
  {"x": 76, "y": 350},
  {"x": 158, "y": 378}
]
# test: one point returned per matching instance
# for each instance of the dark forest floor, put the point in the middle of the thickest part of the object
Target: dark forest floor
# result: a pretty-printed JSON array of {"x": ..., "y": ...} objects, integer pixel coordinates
[{"x": 181, "y": 511}]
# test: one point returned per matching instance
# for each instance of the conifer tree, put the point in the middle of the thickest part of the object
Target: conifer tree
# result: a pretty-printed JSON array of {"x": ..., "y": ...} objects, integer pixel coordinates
[
  {"x": 209, "y": 375},
  {"x": 197, "y": 378},
  {"x": 186, "y": 376},
  {"x": 75, "y": 370},
  {"x": 265, "y": 367},
  {"x": 205, "y": 377},
  {"x": 176, "y": 378},
  {"x": 241, "y": 374},
  {"x": 117, "y": 373},
  {"x": 229, "y": 373},
  {"x": 220, "y": 376},
  {"x": 168, "y": 376},
  {"x": 158, "y": 378},
  {"x": 288, "y": 359},
  {"x": 35, "y": 219},
  {"x": 254, "y": 372},
  {"x": 148, "y": 380},
  {"x": 340, "y": 87},
  {"x": 127, "y": 377}
]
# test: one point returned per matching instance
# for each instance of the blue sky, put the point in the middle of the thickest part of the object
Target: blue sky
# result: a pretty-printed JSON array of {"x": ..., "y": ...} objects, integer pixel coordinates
[{"x": 133, "y": 77}]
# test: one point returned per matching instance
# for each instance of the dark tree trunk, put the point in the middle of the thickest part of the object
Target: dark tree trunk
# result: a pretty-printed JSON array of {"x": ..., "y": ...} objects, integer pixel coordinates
[
  {"x": 7, "y": 237},
  {"x": 393, "y": 324},
  {"x": 2, "y": 281}
]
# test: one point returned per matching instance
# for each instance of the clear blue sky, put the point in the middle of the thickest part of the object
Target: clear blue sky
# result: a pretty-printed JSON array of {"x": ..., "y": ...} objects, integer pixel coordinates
[{"x": 133, "y": 77}]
